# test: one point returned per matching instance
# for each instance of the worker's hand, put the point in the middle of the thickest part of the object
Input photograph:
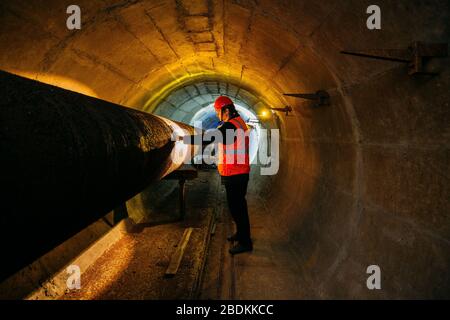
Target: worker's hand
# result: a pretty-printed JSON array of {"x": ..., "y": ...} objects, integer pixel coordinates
[{"x": 176, "y": 137}]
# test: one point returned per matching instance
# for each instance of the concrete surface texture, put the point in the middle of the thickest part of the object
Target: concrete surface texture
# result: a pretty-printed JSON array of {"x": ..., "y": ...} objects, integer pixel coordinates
[
  {"x": 362, "y": 182},
  {"x": 134, "y": 266}
]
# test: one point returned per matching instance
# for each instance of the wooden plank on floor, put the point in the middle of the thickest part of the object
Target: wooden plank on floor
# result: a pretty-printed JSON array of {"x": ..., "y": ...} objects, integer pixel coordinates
[{"x": 178, "y": 255}]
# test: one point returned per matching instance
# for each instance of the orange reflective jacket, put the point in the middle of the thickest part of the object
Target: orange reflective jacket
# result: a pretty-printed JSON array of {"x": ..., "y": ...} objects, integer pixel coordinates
[{"x": 234, "y": 157}]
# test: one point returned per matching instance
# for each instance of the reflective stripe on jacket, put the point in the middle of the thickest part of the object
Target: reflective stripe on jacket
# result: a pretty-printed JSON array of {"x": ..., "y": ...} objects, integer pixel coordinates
[{"x": 234, "y": 158}]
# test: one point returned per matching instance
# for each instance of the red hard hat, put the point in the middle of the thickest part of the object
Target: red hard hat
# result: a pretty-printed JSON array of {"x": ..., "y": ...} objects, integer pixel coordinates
[{"x": 221, "y": 102}]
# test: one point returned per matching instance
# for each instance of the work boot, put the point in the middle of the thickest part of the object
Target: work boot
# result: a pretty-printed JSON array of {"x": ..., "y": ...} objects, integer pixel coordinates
[
  {"x": 240, "y": 248},
  {"x": 233, "y": 238}
]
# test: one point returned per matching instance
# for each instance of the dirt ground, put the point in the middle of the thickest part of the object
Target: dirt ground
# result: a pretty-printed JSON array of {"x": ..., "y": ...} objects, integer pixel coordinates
[{"x": 134, "y": 267}]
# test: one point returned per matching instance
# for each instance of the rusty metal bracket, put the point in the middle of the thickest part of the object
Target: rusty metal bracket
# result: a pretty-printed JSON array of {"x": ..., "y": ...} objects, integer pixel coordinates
[
  {"x": 286, "y": 109},
  {"x": 321, "y": 97},
  {"x": 415, "y": 55}
]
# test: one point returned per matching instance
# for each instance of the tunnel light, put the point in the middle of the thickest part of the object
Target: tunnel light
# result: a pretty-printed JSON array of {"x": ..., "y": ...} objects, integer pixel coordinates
[{"x": 264, "y": 114}]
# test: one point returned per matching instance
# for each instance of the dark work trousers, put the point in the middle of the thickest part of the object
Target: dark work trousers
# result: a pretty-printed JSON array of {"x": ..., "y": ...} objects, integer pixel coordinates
[{"x": 236, "y": 188}]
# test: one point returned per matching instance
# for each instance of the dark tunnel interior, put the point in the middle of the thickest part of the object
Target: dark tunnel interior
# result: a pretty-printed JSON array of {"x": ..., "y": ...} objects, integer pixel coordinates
[{"x": 363, "y": 180}]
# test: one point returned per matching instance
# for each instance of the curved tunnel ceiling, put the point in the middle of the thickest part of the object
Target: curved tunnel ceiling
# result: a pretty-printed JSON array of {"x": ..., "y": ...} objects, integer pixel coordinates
[
  {"x": 158, "y": 44},
  {"x": 183, "y": 103},
  {"x": 354, "y": 180}
]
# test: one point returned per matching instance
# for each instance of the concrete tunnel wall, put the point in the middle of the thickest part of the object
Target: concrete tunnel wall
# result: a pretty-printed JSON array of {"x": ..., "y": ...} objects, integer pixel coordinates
[{"x": 363, "y": 181}]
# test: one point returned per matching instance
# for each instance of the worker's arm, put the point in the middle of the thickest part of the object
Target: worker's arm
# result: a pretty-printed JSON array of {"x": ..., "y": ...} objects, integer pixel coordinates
[{"x": 211, "y": 136}]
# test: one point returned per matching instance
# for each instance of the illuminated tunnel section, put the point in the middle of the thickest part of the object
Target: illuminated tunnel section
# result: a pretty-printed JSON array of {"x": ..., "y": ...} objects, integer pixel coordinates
[
  {"x": 206, "y": 118},
  {"x": 193, "y": 105},
  {"x": 363, "y": 181}
]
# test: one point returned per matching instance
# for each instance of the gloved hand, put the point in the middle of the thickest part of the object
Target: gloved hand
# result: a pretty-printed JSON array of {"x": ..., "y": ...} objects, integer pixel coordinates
[{"x": 176, "y": 137}]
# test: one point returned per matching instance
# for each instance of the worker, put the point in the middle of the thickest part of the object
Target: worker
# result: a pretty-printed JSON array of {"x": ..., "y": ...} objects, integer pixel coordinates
[{"x": 234, "y": 167}]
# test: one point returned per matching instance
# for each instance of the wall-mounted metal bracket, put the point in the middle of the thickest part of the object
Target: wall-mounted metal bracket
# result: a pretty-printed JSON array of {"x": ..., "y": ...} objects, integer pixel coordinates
[
  {"x": 414, "y": 55},
  {"x": 321, "y": 97},
  {"x": 286, "y": 109}
]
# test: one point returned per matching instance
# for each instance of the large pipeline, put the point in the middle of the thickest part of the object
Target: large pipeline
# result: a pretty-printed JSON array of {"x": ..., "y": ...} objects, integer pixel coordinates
[{"x": 68, "y": 159}]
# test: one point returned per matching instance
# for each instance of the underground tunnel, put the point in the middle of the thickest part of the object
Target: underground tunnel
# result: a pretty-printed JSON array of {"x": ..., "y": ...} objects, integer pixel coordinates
[{"x": 88, "y": 116}]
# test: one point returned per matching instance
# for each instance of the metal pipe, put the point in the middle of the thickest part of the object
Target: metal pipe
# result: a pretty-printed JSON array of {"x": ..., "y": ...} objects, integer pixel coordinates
[{"x": 68, "y": 159}]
